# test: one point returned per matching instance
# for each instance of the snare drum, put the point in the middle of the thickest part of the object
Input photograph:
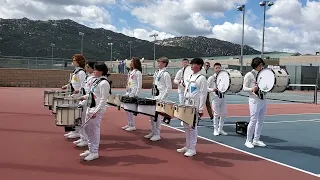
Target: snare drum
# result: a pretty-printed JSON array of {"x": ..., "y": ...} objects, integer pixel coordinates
[
  {"x": 49, "y": 94},
  {"x": 114, "y": 100},
  {"x": 229, "y": 80},
  {"x": 272, "y": 80},
  {"x": 59, "y": 100},
  {"x": 186, "y": 114},
  {"x": 146, "y": 106},
  {"x": 129, "y": 104},
  {"x": 165, "y": 108},
  {"x": 68, "y": 115}
]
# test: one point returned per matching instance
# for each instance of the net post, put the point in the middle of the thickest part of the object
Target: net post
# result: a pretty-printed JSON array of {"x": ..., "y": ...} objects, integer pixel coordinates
[{"x": 316, "y": 94}]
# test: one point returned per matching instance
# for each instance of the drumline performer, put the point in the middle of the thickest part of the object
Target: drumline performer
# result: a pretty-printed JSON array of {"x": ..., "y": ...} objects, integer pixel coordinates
[
  {"x": 208, "y": 103},
  {"x": 97, "y": 99},
  {"x": 90, "y": 78},
  {"x": 179, "y": 80},
  {"x": 195, "y": 95},
  {"x": 257, "y": 104},
  {"x": 218, "y": 102},
  {"x": 76, "y": 82},
  {"x": 162, "y": 85},
  {"x": 134, "y": 85}
]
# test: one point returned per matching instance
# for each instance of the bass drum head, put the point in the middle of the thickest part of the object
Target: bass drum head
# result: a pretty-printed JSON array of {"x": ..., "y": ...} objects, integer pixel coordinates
[
  {"x": 223, "y": 81},
  {"x": 266, "y": 80},
  {"x": 188, "y": 72}
]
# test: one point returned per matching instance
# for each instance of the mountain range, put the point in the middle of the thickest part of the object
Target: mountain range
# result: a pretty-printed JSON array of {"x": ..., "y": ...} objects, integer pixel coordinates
[{"x": 61, "y": 39}]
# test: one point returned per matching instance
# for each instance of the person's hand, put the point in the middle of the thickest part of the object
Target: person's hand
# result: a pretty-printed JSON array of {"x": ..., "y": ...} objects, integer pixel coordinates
[
  {"x": 75, "y": 91},
  {"x": 64, "y": 87},
  {"x": 81, "y": 98},
  {"x": 214, "y": 89},
  {"x": 200, "y": 113},
  {"x": 94, "y": 115},
  {"x": 254, "y": 89}
]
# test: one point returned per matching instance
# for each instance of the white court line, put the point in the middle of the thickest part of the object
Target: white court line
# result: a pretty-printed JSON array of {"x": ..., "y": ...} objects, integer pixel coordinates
[{"x": 255, "y": 155}]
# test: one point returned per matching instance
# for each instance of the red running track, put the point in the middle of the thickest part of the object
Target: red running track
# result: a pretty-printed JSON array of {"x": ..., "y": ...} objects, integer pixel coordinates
[{"x": 34, "y": 148}]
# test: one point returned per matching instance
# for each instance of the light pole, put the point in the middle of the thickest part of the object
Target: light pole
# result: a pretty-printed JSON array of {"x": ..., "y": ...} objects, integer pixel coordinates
[
  {"x": 243, "y": 9},
  {"x": 130, "y": 42},
  {"x": 264, "y": 4},
  {"x": 81, "y": 34},
  {"x": 52, "y": 45},
  {"x": 110, "y": 44},
  {"x": 154, "y": 49}
]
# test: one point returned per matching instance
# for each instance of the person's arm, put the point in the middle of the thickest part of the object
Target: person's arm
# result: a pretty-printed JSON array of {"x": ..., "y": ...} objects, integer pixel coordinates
[
  {"x": 104, "y": 89},
  {"x": 137, "y": 89},
  {"x": 246, "y": 83},
  {"x": 177, "y": 78},
  {"x": 167, "y": 80},
  {"x": 203, "y": 90},
  {"x": 210, "y": 84}
]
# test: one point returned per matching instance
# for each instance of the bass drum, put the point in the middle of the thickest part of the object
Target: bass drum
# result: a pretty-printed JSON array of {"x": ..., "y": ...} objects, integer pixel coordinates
[
  {"x": 229, "y": 80},
  {"x": 188, "y": 72},
  {"x": 272, "y": 80}
]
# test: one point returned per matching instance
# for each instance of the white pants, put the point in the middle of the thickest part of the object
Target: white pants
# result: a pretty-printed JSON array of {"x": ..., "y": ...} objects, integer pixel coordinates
[
  {"x": 191, "y": 136},
  {"x": 181, "y": 98},
  {"x": 130, "y": 119},
  {"x": 83, "y": 133},
  {"x": 220, "y": 110},
  {"x": 156, "y": 126},
  {"x": 93, "y": 131},
  {"x": 258, "y": 110}
]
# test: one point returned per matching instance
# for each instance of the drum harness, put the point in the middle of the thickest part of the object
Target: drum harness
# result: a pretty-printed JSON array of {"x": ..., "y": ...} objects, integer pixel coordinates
[
  {"x": 155, "y": 90},
  {"x": 259, "y": 93},
  {"x": 191, "y": 100},
  {"x": 74, "y": 73}
]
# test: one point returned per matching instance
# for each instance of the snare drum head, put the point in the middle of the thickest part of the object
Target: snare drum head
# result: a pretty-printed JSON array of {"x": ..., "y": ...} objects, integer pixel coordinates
[
  {"x": 223, "y": 81},
  {"x": 266, "y": 80}
]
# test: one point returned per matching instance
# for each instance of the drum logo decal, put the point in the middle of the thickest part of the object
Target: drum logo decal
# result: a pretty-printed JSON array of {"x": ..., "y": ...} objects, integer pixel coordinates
[{"x": 265, "y": 88}]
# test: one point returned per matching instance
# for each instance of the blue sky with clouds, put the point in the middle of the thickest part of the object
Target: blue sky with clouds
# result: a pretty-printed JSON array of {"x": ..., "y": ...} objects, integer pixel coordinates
[{"x": 291, "y": 25}]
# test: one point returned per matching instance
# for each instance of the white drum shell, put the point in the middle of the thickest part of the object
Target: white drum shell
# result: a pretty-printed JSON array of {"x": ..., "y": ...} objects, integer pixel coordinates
[
  {"x": 236, "y": 80},
  {"x": 129, "y": 106},
  {"x": 281, "y": 80},
  {"x": 114, "y": 100},
  {"x": 60, "y": 101},
  {"x": 149, "y": 110},
  {"x": 66, "y": 116},
  {"x": 188, "y": 72}
]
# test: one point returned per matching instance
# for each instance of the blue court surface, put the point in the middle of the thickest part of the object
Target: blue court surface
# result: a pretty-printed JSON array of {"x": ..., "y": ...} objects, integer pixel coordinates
[{"x": 292, "y": 139}]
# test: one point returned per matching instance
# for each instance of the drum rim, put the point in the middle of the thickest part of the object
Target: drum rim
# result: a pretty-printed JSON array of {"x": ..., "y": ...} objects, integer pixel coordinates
[{"x": 275, "y": 79}]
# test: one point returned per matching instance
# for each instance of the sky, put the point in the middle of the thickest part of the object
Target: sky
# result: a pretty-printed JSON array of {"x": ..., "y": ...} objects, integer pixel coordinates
[{"x": 291, "y": 25}]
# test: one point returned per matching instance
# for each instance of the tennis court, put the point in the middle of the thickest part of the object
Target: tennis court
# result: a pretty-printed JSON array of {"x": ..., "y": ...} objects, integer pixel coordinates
[{"x": 291, "y": 128}]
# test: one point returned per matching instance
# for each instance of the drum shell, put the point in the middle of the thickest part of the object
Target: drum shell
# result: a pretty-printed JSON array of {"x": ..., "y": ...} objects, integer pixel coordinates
[
  {"x": 185, "y": 113},
  {"x": 129, "y": 103},
  {"x": 66, "y": 115},
  {"x": 48, "y": 97},
  {"x": 281, "y": 80},
  {"x": 165, "y": 107},
  {"x": 235, "y": 80},
  {"x": 61, "y": 100},
  {"x": 114, "y": 100},
  {"x": 148, "y": 109}
]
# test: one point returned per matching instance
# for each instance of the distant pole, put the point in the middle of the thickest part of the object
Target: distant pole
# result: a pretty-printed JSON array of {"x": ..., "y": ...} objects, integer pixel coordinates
[
  {"x": 110, "y": 44},
  {"x": 52, "y": 45},
  {"x": 154, "y": 49},
  {"x": 130, "y": 42},
  {"x": 264, "y": 4},
  {"x": 242, "y": 8},
  {"x": 81, "y": 34}
]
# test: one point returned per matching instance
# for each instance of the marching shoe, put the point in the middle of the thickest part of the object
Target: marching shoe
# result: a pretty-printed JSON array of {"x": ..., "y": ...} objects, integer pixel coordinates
[
  {"x": 190, "y": 153},
  {"x": 91, "y": 156},
  {"x": 73, "y": 135},
  {"x": 222, "y": 132},
  {"x": 125, "y": 127},
  {"x": 66, "y": 135},
  {"x": 131, "y": 129},
  {"x": 215, "y": 132},
  {"x": 259, "y": 143},
  {"x": 155, "y": 138},
  {"x": 85, "y": 153},
  {"x": 77, "y": 141},
  {"x": 148, "y": 136},
  {"x": 182, "y": 150},
  {"x": 82, "y": 144},
  {"x": 249, "y": 144}
]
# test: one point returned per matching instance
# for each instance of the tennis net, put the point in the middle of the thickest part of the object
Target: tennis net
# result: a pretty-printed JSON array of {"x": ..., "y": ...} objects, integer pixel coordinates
[{"x": 303, "y": 93}]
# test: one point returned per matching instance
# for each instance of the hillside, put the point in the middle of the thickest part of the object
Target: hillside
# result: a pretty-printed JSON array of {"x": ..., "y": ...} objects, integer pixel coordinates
[{"x": 24, "y": 37}]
